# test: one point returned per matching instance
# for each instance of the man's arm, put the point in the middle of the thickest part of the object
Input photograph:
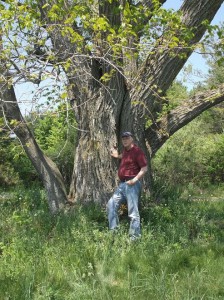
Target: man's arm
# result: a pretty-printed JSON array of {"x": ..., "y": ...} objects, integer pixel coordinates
[
  {"x": 115, "y": 154},
  {"x": 138, "y": 176}
]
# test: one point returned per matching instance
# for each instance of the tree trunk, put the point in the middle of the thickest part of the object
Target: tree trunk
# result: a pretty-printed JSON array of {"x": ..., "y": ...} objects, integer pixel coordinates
[
  {"x": 47, "y": 170},
  {"x": 95, "y": 175}
]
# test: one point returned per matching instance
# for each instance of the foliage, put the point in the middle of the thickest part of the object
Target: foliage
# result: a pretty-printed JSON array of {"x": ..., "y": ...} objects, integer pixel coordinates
[
  {"x": 215, "y": 76},
  {"x": 174, "y": 96},
  {"x": 56, "y": 134},
  {"x": 73, "y": 256},
  {"x": 8, "y": 176},
  {"x": 14, "y": 165},
  {"x": 215, "y": 163},
  {"x": 177, "y": 93}
]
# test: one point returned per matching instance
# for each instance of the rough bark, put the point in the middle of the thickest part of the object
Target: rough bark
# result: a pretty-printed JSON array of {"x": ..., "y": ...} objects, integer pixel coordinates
[
  {"x": 94, "y": 174},
  {"x": 47, "y": 170}
]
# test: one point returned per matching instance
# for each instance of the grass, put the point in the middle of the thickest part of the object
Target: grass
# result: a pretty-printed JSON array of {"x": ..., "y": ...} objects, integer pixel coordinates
[{"x": 74, "y": 256}]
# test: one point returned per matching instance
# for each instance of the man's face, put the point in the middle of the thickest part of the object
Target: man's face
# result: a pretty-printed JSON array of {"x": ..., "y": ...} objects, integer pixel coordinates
[{"x": 127, "y": 141}]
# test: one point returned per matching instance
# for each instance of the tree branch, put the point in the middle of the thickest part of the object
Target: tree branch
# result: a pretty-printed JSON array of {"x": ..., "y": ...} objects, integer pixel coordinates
[
  {"x": 159, "y": 132},
  {"x": 47, "y": 170}
]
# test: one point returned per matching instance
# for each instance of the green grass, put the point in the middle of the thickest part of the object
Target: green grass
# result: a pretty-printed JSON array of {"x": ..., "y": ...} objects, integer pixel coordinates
[{"x": 74, "y": 256}]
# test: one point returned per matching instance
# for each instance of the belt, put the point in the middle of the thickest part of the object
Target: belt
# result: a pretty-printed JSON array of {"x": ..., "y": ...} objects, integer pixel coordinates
[{"x": 127, "y": 179}]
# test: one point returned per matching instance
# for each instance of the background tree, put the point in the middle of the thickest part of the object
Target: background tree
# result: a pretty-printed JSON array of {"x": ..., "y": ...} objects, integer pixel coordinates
[{"x": 120, "y": 58}]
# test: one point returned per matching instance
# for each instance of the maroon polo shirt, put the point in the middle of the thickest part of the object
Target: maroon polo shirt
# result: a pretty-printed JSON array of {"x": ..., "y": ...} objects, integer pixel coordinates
[{"x": 131, "y": 163}]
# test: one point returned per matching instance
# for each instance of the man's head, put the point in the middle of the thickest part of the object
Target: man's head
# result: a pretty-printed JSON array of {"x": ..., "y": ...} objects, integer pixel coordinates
[{"x": 127, "y": 139}]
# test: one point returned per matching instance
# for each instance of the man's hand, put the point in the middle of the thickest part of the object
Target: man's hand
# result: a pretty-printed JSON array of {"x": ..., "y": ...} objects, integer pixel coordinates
[
  {"x": 139, "y": 176},
  {"x": 132, "y": 181},
  {"x": 114, "y": 153}
]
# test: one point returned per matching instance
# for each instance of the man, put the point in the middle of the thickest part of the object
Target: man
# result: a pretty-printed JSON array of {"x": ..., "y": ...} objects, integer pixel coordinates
[{"x": 132, "y": 168}]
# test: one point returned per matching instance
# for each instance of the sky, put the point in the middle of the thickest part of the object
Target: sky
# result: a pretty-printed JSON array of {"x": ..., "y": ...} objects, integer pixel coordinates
[{"x": 24, "y": 92}]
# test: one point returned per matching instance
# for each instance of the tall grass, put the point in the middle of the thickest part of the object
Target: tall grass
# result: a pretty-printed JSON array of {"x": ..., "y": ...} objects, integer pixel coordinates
[{"x": 74, "y": 256}]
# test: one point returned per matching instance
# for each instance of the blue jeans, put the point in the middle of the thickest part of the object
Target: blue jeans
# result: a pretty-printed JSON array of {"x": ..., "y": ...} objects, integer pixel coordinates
[{"x": 125, "y": 194}]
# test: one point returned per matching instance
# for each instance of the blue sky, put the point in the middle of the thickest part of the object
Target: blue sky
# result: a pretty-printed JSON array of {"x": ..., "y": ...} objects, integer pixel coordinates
[{"x": 24, "y": 91}]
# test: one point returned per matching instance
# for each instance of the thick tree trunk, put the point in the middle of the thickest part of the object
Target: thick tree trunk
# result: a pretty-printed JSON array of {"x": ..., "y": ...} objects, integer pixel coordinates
[
  {"x": 47, "y": 170},
  {"x": 95, "y": 175}
]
